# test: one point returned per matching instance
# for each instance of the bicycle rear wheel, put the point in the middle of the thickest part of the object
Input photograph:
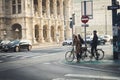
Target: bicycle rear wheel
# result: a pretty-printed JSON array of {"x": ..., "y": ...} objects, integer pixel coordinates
[
  {"x": 99, "y": 54},
  {"x": 69, "y": 56},
  {"x": 86, "y": 55}
]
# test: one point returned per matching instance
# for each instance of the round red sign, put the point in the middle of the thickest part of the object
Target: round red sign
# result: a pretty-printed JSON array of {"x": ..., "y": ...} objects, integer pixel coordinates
[{"x": 84, "y": 19}]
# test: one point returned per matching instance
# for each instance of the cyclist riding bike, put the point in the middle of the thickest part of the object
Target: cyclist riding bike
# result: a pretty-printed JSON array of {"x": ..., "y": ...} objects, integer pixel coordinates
[
  {"x": 81, "y": 42},
  {"x": 94, "y": 43},
  {"x": 76, "y": 43}
]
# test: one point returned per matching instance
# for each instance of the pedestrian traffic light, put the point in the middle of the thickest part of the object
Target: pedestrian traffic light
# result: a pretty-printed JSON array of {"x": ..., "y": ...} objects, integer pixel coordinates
[
  {"x": 71, "y": 24},
  {"x": 73, "y": 18}
]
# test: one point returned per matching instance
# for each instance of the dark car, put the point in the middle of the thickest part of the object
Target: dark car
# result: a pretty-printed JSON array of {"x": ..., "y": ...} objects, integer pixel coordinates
[
  {"x": 17, "y": 45},
  {"x": 3, "y": 42},
  {"x": 101, "y": 41}
]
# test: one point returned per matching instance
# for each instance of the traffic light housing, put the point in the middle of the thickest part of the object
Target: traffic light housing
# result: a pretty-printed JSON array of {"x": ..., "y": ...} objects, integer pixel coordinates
[{"x": 73, "y": 18}]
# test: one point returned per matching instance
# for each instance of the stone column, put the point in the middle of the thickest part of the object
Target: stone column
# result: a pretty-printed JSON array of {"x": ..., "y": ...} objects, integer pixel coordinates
[
  {"x": 40, "y": 7},
  {"x": 34, "y": 39},
  {"x": 61, "y": 8},
  {"x": 24, "y": 33},
  {"x": 41, "y": 39},
  {"x": 56, "y": 32},
  {"x": 55, "y": 8},
  {"x": 48, "y": 8},
  {"x": 49, "y": 34},
  {"x": 67, "y": 20},
  {"x": 62, "y": 33}
]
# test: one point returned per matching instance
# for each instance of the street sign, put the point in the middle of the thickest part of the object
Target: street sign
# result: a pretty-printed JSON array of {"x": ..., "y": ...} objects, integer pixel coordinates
[
  {"x": 87, "y": 8},
  {"x": 113, "y": 7},
  {"x": 85, "y": 25},
  {"x": 84, "y": 19}
]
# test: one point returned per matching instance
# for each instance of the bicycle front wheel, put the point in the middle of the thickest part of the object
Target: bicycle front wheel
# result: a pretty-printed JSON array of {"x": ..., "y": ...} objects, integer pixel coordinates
[
  {"x": 99, "y": 54},
  {"x": 69, "y": 56}
]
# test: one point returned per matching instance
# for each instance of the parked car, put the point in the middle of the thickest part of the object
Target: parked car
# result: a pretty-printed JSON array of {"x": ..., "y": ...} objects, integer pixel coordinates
[
  {"x": 3, "y": 42},
  {"x": 17, "y": 45},
  {"x": 101, "y": 41},
  {"x": 106, "y": 37},
  {"x": 67, "y": 42},
  {"x": 88, "y": 39},
  {"x": 25, "y": 44}
]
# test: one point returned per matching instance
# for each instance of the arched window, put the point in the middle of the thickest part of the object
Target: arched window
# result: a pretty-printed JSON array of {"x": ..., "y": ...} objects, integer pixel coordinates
[
  {"x": 16, "y": 6},
  {"x": 43, "y": 6},
  {"x": 36, "y": 5}
]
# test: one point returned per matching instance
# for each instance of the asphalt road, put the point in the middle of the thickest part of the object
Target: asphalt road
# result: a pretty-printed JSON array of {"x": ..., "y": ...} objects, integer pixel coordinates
[{"x": 49, "y": 64}]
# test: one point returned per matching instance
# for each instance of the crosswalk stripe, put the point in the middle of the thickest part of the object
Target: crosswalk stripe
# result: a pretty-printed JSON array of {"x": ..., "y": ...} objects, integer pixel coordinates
[
  {"x": 92, "y": 76},
  {"x": 65, "y": 79}
]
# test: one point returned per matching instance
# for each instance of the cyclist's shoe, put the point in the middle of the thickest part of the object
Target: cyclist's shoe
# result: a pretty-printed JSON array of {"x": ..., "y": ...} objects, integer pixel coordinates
[
  {"x": 97, "y": 58},
  {"x": 78, "y": 60},
  {"x": 91, "y": 57}
]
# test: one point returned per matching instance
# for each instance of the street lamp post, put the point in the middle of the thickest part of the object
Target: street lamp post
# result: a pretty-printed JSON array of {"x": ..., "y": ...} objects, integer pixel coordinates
[{"x": 105, "y": 20}]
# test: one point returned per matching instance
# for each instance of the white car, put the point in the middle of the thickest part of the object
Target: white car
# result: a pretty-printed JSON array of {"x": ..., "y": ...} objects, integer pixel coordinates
[
  {"x": 106, "y": 37},
  {"x": 67, "y": 42}
]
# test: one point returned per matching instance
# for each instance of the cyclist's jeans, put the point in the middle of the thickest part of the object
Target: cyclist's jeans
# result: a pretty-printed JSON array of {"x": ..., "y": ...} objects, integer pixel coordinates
[
  {"x": 93, "y": 48},
  {"x": 78, "y": 56}
]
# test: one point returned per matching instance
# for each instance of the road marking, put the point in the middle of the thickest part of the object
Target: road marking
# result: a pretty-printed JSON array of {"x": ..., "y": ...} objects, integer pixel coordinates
[
  {"x": 36, "y": 56},
  {"x": 1, "y": 61},
  {"x": 92, "y": 76},
  {"x": 46, "y": 63},
  {"x": 65, "y": 79}
]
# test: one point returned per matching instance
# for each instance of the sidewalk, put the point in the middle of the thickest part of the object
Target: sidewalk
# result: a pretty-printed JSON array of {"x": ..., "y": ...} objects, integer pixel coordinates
[{"x": 45, "y": 45}]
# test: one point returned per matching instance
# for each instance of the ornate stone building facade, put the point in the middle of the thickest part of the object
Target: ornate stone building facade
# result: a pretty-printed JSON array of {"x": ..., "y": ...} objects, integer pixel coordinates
[{"x": 35, "y": 20}]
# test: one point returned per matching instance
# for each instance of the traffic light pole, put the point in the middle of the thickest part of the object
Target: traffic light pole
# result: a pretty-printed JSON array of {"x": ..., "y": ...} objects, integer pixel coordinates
[
  {"x": 114, "y": 13},
  {"x": 72, "y": 23},
  {"x": 114, "y": 17},
  {"x": 114, "y": 8}
]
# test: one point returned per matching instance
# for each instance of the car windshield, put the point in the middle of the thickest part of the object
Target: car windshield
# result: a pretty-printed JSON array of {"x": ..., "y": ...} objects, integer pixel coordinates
[
  {"x": 14, "y": 42},
  {"x": 25, "y": 41},
  {"x": 5, "y": 42}
]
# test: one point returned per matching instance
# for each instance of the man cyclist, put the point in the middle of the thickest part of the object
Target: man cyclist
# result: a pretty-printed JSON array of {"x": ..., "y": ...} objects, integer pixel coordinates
[{"x": 94, "y": 43}]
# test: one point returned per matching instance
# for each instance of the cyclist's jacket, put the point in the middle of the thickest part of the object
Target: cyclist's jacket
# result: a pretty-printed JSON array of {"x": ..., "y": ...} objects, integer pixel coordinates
[{"x": 95, "y": 40}]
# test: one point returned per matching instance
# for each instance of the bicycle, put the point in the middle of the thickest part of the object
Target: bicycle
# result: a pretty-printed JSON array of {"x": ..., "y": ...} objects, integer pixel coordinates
[
  {"x": 86, "y": 54},
  {"x": 71, "y": 55},
  {"x": 98, "y": 54}
]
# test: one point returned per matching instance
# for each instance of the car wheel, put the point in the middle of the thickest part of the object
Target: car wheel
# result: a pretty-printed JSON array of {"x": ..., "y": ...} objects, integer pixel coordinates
[
  {"x": 29, "y": 48},
  {"x": 16, "y": 49},
  {"x": 5, "y": 50}
]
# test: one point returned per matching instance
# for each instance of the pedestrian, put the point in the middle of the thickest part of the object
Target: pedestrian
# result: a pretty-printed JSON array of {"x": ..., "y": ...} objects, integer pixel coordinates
[
  {"x": 94, "y": 43},
  {"x": 76, "y": 43}
]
